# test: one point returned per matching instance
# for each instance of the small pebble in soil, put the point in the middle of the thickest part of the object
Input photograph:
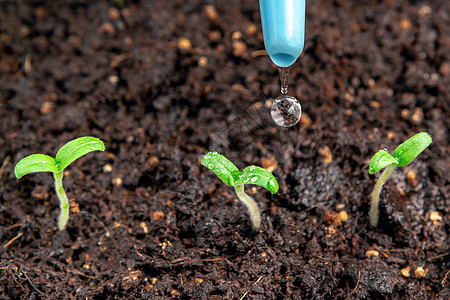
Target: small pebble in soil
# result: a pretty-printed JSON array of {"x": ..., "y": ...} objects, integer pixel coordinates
[
  {"x": 157, "y": 215},
  {"x": 406, "y": 272},
  {"x": 435, "y": 217},
  {"x": 107, "y": 168},
  {"x": 372, "y": 253},
  {"x": 411, "y": 178},
  {"x": 325, "y": 154},
  {"x": 286, "y": 111},
  {"x": 343, "y": 216},
  {"x": 144, "y": 227},
  {"x": 420, "y": 272}
]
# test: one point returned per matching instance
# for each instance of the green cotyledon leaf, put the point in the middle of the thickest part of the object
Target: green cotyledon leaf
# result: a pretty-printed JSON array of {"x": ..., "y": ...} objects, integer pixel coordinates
[
  {"x": 409, "y": 149},
  {"x": 222, "y": 167},
  {"x": 259, "y": 176},
  {"x": 77, "y": 148},
  {"x": 35, "y": 163},
  {"x": 380, "y": 160}
]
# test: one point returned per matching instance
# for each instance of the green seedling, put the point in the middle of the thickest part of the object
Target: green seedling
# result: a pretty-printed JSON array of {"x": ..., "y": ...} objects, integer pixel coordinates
[
  {"x": 65, "y": 156},
  {"x": 231, "y": 176},
  {"x": 402, "y": 156}
]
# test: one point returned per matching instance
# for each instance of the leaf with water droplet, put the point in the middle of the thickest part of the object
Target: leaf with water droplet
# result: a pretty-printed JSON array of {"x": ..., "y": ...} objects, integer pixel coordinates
[
  {"x": 380, "y": 160},
  {"x": 409, "y": 149},
  {"x": 222, "y": 167},
  {"x": 259, "y": 176}
]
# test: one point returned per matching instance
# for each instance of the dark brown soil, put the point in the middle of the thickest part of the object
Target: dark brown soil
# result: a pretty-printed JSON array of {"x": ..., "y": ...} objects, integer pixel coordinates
[{"x": 162, "y": 82}]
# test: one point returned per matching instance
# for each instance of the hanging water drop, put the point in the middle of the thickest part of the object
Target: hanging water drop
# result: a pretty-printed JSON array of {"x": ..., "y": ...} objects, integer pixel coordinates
[
  {"x": 286, "y": 111},
  {"x": 284, "y": 76}
]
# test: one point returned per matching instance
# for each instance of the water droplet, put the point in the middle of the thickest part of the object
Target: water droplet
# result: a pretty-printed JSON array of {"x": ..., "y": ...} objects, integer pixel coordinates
[
  {"x": 254, "y": 178},
  {"x": 284, "y": 76},
  {"x": 286, "y": 111},
  {"x": 271, "y": 184},
  {"x": 211, "y": 166},
  {"x": 252, "y": 168}
]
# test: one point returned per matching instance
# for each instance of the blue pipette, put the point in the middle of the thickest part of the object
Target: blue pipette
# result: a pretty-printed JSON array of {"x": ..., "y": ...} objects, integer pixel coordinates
[{"x": 283, "y": 23}]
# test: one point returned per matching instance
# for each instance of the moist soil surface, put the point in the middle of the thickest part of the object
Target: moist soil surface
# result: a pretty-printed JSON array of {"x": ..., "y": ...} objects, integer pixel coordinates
[{"x": 162, "y": 82}]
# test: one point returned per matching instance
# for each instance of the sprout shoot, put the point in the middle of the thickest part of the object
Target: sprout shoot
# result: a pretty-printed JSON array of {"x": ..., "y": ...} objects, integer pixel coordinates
[
  {"x": 402, "y": 156},
  {"x": 65, "y": 156},
  {"x": 231, "y": 176}
]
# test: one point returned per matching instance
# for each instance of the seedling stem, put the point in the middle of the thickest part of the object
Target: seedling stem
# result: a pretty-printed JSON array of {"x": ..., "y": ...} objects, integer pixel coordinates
[
  {"x": 376, "y": 194},
  {"x": 63, "y": 201},
  {"x": 251, "y": 205}
]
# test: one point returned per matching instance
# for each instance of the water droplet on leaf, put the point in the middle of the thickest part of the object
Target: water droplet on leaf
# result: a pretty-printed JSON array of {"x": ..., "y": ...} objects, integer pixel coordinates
[{"x": 254, "y": 178}]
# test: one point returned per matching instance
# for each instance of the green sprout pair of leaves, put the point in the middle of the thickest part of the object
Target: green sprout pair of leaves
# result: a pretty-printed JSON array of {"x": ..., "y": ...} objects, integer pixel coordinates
[
  {"x": 402, "y": 156},
  {"x": 65, "y": 156},
  {"x": 231, "y": 176}
]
